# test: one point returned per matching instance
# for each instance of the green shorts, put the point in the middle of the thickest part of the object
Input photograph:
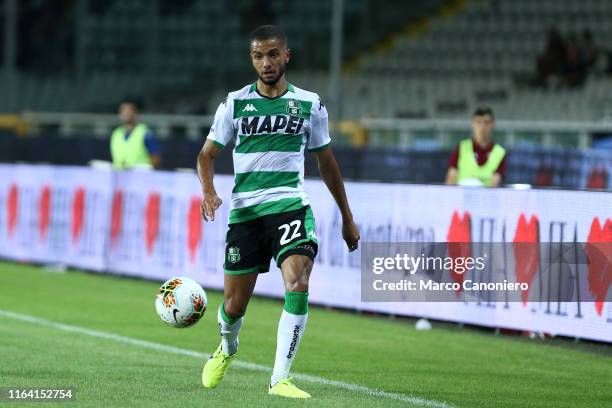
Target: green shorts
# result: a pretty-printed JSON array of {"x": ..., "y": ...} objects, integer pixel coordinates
[{"x": 251, "y": 244}]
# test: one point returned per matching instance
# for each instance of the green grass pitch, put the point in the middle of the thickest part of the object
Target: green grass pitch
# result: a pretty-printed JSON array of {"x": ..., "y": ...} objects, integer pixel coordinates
[{"x": 462, "y": 368}]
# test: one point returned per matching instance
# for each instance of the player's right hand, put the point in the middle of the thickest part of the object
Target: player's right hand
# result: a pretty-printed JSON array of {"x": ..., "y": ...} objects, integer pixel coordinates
[
  {"x": 209, "y": 205},
  {"x": 350, "y": 234}
]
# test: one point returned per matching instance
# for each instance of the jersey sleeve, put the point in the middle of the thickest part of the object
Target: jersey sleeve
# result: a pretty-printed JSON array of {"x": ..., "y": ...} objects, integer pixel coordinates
[
  {"x": 222, "y": 130},
  {"x": 453, "y": 160},
  {"x": 318, "y": 139},
  {"x": 151, "y": 143}
]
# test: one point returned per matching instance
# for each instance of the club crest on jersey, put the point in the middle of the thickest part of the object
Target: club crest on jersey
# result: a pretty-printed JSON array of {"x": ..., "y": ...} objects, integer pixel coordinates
[
  {"x": 293, "y": 107},
  {"x": 233, "y": 254}
]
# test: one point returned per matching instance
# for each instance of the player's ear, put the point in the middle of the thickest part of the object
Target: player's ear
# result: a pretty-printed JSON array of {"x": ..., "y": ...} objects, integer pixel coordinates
[{"x": 287, "y": 55}]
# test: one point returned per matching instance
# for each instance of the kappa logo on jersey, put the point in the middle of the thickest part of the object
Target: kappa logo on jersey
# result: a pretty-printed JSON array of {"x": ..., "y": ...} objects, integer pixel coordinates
[
  {"x": 233, "y": 254},
  {"x": 249, "y": 108},
  {"x": 293, "y": 107}
]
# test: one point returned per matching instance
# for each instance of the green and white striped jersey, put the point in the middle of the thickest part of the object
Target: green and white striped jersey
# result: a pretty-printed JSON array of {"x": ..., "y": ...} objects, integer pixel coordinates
[{"x": 270, "y": 136}]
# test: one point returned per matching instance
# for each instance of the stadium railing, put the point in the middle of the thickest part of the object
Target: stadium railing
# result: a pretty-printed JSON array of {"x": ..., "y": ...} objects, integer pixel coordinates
[
  {"x": 442, "y": 133},
  {"x": 100, "y": 125},
  {"x": 409, "y": 133}
]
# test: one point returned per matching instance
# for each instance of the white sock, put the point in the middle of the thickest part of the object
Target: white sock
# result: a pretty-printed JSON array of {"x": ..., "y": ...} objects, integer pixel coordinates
[
  {"x": 290, "y": 330},
  {"x": 229, "y": 333}
]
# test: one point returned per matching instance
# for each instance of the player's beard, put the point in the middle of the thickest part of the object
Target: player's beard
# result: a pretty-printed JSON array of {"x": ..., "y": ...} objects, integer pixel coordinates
[{"x": 272, "y": 82}]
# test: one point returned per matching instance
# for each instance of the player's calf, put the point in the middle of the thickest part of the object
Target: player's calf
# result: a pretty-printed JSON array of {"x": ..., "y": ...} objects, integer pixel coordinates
[{"x": 218, "y": 364}]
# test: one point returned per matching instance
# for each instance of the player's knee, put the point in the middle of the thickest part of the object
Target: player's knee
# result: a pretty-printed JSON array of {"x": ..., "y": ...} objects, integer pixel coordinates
[
  {"x": 298, "y": 281},
  {"x": 296, "y": 286},
  {"x": 296, "y": 272},
  {"x": 234, "y": 308}
]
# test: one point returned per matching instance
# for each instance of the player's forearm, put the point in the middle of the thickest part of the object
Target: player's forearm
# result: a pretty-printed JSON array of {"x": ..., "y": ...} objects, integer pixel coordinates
[
  {"x": 156, "y": 161},
  {"x": 451, "y": 176},
  {"x": 496, "y": 180},
  {"x": 206, "y": 172},
  {"x": 330, "y": 173}
]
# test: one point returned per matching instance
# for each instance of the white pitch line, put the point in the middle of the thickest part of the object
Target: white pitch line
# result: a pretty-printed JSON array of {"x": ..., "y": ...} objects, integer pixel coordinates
[{"x": 423, "y": 402}]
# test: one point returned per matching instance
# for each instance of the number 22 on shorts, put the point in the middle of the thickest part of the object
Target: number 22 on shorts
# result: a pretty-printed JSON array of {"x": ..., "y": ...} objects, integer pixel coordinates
[{"x": 287, "y": 228}]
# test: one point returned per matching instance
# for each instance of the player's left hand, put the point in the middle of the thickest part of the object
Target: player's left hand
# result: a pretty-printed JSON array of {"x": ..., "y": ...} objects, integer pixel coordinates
[{"x": 350, "y": 234}]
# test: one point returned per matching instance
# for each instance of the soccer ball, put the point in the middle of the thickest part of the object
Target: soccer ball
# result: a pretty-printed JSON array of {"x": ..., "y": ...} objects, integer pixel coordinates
[{"x": 180, "y": 302}]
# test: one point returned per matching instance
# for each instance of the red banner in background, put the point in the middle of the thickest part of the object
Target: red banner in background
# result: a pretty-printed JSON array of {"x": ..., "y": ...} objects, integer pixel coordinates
[
  {"x": 598, "y": 249},
  {"x": 44, "y": 212},
  {"x": 12, "y": 209},
  {"x": 194, "y": 227},
  {"x": 152, "y": 221},
  {"x": 459, "y": 239},
  {"x": 78, "y": 212},
  {"x": 527, "y": 256},
  {"x": 116, "y": 216}
]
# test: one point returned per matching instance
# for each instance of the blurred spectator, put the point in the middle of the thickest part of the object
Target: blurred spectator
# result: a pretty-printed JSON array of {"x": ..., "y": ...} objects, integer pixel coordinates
[
  {"x": 478, "y": 161},
  {"x": 589, "y": 52},
  {"x": 574, "y": 68},
  {"x": 569, "y": 59},
  {"x": 132, "y": 144},
  {"x": 551, "y": 61}
]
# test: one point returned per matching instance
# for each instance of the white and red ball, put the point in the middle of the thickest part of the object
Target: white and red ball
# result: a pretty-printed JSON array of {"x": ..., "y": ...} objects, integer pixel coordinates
[{"x": 180, "y": 302}]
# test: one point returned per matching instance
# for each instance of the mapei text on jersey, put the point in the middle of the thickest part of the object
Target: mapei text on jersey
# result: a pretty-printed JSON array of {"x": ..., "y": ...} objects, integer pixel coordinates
[{"x": 271, "y": 124}]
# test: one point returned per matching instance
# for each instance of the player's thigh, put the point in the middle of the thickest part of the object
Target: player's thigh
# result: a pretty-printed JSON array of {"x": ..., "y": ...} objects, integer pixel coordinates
[
  {"x": 245, "y": 258},
  {"x": 296, "y": 271},
  {"x": 292, "y": 233},
  {"x": 294, "y": 246},
  {"x": 245, "y": 251}
]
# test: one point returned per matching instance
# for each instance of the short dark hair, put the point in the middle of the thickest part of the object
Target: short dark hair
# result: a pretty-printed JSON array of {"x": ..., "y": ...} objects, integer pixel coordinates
[
  {"x": 132, "y": 102},
  {"x": 483, "y": 111},
  {"x": 267, "y": 32}
]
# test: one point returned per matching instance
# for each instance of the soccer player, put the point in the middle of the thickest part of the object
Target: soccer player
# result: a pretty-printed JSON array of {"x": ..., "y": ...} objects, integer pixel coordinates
[{"x": 271, "y": 123}]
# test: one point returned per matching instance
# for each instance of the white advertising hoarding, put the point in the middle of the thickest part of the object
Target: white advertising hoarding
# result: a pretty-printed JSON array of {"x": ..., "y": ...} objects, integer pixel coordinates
[{"x": 148, "y": 224}]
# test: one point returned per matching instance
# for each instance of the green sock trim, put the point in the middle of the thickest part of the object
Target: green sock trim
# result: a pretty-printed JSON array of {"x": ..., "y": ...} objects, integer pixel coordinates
[
  {"x": 296, "y": 303},
  {"x": 225, "y": 317}
]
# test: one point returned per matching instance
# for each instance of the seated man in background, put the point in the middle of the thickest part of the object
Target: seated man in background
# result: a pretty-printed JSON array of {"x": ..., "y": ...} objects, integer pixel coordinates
[
  {"x": 132, "y": 144},
  {"x": 478, "y": 161}
]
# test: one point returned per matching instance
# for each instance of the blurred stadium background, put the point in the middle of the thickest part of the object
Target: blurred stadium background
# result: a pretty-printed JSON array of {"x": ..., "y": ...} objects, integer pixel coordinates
[
  {"x": 401, "y": 83},
  {"x": 401, "y": 80}
]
